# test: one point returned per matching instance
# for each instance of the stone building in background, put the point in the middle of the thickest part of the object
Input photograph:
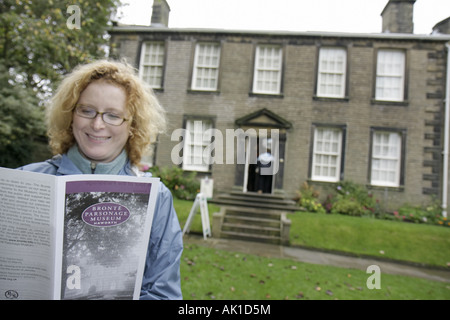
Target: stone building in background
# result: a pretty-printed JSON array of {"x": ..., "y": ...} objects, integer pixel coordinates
[{"x": 369, "y": 108}]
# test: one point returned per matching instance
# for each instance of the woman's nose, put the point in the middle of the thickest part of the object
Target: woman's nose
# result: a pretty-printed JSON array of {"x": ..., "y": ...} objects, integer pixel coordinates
[{"x": 97, "y": 122}]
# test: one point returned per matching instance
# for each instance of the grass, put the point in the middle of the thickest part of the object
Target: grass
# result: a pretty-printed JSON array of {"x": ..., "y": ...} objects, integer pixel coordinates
[
  {"x": 419, "y": 243},
  {"x": 208, "y": 274},
  {"x": 217, "y": 274},
  {"x": 183, "y": 208}
]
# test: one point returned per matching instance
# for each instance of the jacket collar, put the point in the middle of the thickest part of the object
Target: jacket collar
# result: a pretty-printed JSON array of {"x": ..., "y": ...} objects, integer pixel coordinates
[{"x": 66, "y": 167}]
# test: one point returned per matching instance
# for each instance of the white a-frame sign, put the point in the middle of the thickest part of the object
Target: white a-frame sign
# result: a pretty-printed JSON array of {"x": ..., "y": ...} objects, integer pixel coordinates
[{"x": 200, "y": 202}]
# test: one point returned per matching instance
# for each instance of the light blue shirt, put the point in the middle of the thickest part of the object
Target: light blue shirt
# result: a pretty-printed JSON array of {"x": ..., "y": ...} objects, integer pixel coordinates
[{"x": 162, "y": 269}]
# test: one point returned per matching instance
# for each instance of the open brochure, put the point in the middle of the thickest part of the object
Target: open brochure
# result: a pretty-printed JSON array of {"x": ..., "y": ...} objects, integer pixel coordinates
[{"x": 73, "y": 237}]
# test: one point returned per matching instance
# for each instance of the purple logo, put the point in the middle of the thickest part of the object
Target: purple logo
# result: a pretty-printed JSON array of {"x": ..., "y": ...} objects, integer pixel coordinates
[{"x": 106, "y": 214}]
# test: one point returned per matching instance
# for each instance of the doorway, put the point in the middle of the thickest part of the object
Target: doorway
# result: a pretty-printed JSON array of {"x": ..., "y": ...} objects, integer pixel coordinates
[
  {"x": 261, "y": 153},
  {"x": 257, "y": 126}
]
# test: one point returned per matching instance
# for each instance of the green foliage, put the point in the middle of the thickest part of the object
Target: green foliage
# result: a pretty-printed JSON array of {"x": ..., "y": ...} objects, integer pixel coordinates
[
  {"x": 431, "y": 214},
  {"x": 36, "y": 49},
  {"x": 36, "y": 45},
  {"x": 347, "y": 205},
  {"x": 183, "y": 185},
  {"x": 350, "y": 199},
  {"x": 353, "y": 199},
  {"x": 21, "y": 121},
  {"x": 308, "y": 199}
]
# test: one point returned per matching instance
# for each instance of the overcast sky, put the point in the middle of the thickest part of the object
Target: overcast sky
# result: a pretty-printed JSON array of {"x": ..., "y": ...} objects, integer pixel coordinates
[{"x": 291, "y": 15}]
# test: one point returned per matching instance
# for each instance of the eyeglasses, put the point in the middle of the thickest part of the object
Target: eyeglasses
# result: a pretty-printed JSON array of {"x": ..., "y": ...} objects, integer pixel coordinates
[{"x": 108, "y": 117}]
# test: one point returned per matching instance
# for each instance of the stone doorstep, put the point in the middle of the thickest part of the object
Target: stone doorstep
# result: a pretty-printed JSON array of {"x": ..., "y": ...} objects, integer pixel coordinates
[
  {"x": 249, "y": 223},
  {"x": 252, "y": 202},
  {"x": 255, "y": 221}
]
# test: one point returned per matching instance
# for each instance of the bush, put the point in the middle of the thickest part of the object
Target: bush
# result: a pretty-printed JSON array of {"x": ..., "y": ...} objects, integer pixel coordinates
[
  {"x": 443, "y": 221},
  {"x": 352, "y": 199},
  {"x": 307, "y": 198},
  {"x": 184, "y": 185},
  {"x": 348, "y": 206},
  {"x": 431, "y": 214},
  {"x": 355, "y": 200}
]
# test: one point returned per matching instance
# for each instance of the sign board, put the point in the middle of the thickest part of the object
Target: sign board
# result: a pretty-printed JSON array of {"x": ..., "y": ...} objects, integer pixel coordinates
[
  {"x": 206, "y": 187},
  {"x": 199, "y": 203}
]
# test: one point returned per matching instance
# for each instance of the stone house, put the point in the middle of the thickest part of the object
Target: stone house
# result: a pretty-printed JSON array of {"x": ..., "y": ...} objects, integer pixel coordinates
[{"x": 369, "y": 108}]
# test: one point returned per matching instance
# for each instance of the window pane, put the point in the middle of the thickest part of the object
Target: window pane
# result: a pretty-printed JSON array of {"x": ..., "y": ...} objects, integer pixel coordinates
[
  {"x": 390, "y": 75},
  {"x": 327, "y": 154},
  {"x": 386, "y": 158},
  {"x": 152, "y": 62},
  {"x": 198, "y": 137},
  {"x": 332, "y": 69},
  {"x": 206, "y": 67},
  {"x": 268, "y": 62}
]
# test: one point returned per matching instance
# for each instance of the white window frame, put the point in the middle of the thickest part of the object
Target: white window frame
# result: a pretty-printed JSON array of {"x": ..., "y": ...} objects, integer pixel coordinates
[
  {"x": 386, "y": 158},
  {"x": 268, "y": 69},
  {"x": 197, "y": 138},
  {"x": 151, "y": 65},
  {"x": 332, "y": 72},
  {"x": 327, "y": 154},
  {"x": 205, "y": 76},
  {"x": 390, "y": 79}
]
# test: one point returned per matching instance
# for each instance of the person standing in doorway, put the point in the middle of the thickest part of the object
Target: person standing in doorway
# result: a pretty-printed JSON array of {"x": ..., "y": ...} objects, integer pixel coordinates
[{"x": 265, "y": 161}]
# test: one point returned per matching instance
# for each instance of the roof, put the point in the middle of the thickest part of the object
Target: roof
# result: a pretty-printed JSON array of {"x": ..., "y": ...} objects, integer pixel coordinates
[{"x": 387, "y": 36}]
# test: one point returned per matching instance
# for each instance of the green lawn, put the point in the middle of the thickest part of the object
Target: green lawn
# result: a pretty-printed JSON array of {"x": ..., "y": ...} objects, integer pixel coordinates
[
  {"x": 419, "y": 243},
  {"x": 208, "y": 273}
]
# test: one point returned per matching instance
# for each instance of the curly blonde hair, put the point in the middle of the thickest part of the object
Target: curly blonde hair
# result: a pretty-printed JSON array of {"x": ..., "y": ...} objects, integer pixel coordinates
[{"x": 148, "y": 117}]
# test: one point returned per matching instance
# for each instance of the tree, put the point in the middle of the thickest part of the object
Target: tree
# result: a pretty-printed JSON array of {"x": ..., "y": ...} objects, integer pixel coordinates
[
  {"x": 37, "y": 48},
  {"x": 20, "y": 122}
]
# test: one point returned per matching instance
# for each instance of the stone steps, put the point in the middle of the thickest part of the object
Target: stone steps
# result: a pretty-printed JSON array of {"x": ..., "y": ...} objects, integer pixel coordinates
[
  {"x": 253, "y": 217},
  {"x": 256, "y": 200}
]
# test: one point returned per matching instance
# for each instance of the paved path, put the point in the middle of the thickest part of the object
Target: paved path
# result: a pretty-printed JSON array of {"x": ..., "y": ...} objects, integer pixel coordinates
[{"x": 318, "y": 257}]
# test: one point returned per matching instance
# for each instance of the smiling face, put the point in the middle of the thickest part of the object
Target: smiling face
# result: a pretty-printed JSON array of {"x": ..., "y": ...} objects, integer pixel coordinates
[{"x": 97, "y": 140}]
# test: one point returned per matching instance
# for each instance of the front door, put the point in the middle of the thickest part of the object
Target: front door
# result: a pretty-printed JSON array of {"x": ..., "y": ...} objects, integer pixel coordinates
[
  {"x": 262, "y": 130},
  {"x": 262, "y": 163}
]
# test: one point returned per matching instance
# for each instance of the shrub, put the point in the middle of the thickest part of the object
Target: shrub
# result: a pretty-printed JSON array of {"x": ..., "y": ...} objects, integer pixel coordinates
[
  {"x": 352, "y": 199},
  {"x": 184, "y": 185},
  {"x": 348, "y": 206},
  {"x": 355, "y": 200},
  {"x": 312, "y": 205},
  {"x": 431, "y": 214},
  {"x": 443, "y": 221},
  {"x": 307, "y": 198}
]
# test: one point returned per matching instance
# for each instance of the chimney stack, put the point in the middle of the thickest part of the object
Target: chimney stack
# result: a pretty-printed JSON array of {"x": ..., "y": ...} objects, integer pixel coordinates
[
  {"x": 398, "y": 16},
  {"x": 160, "y": 14}
]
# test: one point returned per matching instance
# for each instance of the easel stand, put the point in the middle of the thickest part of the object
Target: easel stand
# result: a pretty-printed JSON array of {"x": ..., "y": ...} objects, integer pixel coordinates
[{"x": 200, "y": 202}]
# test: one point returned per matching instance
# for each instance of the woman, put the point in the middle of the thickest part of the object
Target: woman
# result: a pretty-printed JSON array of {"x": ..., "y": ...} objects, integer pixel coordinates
[{"x": 101, "y": 121}]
